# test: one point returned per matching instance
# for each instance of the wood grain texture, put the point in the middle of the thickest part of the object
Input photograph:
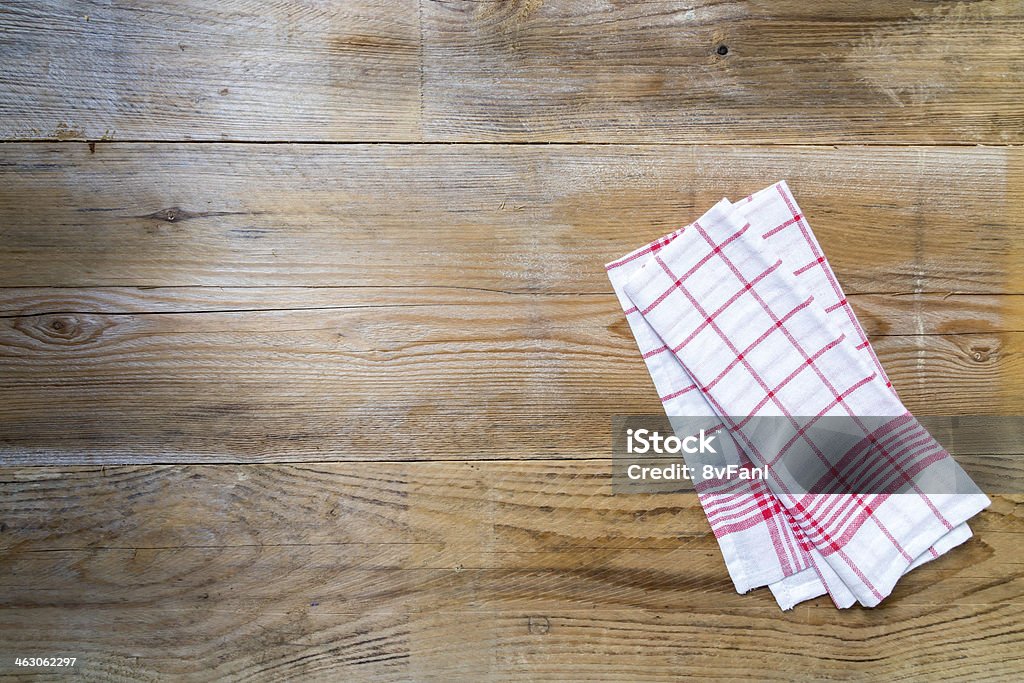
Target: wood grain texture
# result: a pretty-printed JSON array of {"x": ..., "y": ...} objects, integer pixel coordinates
[
  {"x": 792, "y": 72},
  {"x": 298, "y": 374},
  {"x": 190, "y": 70},
  {"x": 399, "y": 362},
  {"x": 509, "y": 218},
  {"x": 582, "y": 70},
  {"x": 380, "y": 571}
]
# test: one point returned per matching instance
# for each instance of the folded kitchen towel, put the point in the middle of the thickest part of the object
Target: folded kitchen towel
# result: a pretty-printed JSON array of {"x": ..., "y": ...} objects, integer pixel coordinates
[
  {"x": 758, "y": 541},
  {"x": 756, "y": 342},
  {"x": 739, "y": 314}
]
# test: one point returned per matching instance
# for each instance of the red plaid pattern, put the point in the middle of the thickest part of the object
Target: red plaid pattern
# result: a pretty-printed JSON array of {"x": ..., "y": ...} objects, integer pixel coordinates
[
  {"x": 740, "y": 314},
  {"x": 757, "y": 342}
]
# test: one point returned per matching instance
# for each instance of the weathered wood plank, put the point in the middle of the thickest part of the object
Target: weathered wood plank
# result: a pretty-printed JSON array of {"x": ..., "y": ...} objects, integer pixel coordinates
[
  {"x": 899, "y": 314},
  {"x": 934, "y": 642},
  {"x": 792, "y": 72},
  {"x": 420, "y": 570},
  {"x": 383, "y": 577},
  {"x": 476, "y": 508},
  {"x": 122, "y": 375},
  {"x": 905, "y": 71},
  {"x": 510, "y": 218},
  {"x": 237, "y": 70}
]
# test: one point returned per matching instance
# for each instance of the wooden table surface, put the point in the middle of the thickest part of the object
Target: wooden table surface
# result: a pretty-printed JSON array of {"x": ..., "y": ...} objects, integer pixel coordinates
[{"x": 308, "y": 359}]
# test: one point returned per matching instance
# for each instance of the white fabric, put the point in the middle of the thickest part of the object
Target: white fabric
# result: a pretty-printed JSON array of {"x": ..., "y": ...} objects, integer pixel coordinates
[{"x": 767, "y": 535}]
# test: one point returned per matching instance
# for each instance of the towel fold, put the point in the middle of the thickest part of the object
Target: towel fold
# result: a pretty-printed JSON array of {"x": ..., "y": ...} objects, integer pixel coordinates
[{"x": 739, "y": 314}]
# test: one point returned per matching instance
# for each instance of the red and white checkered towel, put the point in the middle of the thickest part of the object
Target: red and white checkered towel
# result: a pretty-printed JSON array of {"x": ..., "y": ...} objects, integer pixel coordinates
[{"x": 740, "y": 314}]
